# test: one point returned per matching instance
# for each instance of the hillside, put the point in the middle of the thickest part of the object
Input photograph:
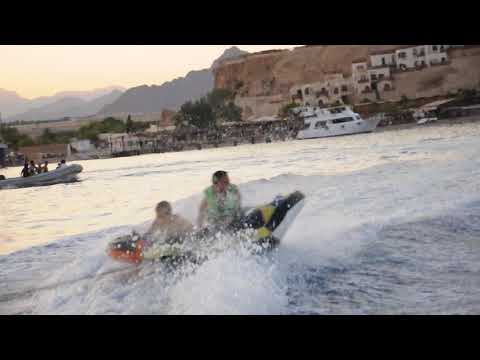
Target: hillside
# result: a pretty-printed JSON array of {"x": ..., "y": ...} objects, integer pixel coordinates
[
  {"x": 171, "y": 94},
  {"x": 68, "y": 107},
  {"x": 12, "y": 104}
]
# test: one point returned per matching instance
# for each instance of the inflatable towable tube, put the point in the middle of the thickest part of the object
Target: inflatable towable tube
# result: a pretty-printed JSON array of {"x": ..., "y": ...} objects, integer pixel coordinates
[{"x": 265, "y": 220}]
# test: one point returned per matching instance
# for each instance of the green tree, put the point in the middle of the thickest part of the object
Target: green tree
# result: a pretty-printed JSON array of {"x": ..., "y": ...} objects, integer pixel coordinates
[
  {"x": 218, "y": 97},
  {"x": 230, "y": 112},
  {"x": 49, "y": 137},
  {"x": 198, "y": 114},
  {"x": 107, "y": 125},
  {"x": 129, "y": 124},
  {"x": 216, "y": 106},
  {"x": 13, "y": 138},
  {"x": 285, "y": 110}
]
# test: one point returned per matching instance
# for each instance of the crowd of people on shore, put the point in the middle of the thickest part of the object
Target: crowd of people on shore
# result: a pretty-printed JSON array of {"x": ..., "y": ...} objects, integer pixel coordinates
[{"x": 193, "y": 138}]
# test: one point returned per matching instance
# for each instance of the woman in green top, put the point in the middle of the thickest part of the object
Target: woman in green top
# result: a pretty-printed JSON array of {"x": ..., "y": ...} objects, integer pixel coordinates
[{"x": 221, "y": 205}]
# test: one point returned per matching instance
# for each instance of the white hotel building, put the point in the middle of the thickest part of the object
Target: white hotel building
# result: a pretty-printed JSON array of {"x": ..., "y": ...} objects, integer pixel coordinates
[{"x": 370, "y": 77}]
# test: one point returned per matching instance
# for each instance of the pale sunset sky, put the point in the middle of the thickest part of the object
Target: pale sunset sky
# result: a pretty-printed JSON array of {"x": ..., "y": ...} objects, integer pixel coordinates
[{"x": 43, "y": 70}]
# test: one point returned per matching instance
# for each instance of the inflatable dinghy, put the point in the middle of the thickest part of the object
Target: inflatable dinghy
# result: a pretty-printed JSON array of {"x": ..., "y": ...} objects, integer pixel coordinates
[{"x": 64, "y": 174}]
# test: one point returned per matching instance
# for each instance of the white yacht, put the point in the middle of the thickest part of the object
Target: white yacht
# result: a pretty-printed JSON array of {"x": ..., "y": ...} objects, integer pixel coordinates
[{"x": 334, "y": 121}]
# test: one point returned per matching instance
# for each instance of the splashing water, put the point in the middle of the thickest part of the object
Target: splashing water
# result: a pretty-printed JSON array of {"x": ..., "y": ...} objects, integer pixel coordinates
[{"x": 390, "y": 225}]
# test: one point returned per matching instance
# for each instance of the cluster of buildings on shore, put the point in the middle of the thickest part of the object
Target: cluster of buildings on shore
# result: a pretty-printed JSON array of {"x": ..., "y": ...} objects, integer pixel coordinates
[
  {"x": 370, "y": 77},
  {"x": 158, "y": 139}
]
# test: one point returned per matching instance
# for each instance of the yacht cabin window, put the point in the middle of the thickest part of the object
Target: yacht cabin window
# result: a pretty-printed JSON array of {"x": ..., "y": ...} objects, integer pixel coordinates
[
  {"x": 320, "y": 124},
  {"x": 342, "y": 120}
]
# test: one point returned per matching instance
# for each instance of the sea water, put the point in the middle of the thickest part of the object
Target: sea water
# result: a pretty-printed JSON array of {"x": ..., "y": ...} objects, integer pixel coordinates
[{"x": 390, "y": 225}]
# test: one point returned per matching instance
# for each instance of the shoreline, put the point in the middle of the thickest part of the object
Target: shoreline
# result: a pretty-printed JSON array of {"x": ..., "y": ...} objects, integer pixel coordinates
[{"x": 441, "y": 122}]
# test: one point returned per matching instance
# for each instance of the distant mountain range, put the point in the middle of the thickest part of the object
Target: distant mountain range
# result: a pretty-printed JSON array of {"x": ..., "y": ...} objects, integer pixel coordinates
[
  {"x": 171, "y": 94},
  {"x": 67, "y": 103},
  {"x": 114, "y": 99}
]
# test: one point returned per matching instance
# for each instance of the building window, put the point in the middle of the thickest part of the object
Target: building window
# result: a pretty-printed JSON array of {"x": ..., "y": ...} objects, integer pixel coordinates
[
  {"x": 307, "y": 91},
  {"x": 386, "y": 87},
  {"x": 320, "y": 103},
  {"x": 344, "y": 88},
  {"x": 381, "y": 76},
  {"x": 360, "y": 67},
  {"x": 443, "y": 60},
  {"x": 374, "y": 77},
  {"x": 299, "y": 93},
  {"x": 423, "y": 63},
  {"x": 383, "y": 61},
  {"x": 335, "y": 91},
  {"x": 434, "y": 47},
  {"x": 402, "y": 55}
]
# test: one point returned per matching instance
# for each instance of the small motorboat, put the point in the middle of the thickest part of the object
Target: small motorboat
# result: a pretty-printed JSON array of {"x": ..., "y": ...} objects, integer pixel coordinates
[{"x": 61, "y": 175}]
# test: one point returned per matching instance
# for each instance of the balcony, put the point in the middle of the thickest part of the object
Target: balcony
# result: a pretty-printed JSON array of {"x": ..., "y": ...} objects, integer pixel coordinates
[
  {"x": 321, "y": 93},
  {"x": 363, "y": 80},
  {"x": 384, "y": 78}
]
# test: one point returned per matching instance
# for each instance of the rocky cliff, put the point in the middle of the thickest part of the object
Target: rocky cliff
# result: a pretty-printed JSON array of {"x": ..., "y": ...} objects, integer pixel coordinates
[
  {"x": 263, "y": 80},
  {"x": 274, "y": 72}
]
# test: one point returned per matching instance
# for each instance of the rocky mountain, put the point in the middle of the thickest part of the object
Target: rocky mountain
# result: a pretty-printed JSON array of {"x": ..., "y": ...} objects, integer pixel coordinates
[
  {"x": 171, "y": 94},
  {"x": 231, "y": 53},
  {"x": 86, "y": 95},
  {"x": 69, "y": 107},
  {"x": 12, "y": 104}
]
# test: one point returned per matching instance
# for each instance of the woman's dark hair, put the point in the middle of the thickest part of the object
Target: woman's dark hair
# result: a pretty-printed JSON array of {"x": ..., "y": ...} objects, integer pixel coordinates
[
  {"x": 164, "y": 205},
  {"x": 218, "y": 175}
]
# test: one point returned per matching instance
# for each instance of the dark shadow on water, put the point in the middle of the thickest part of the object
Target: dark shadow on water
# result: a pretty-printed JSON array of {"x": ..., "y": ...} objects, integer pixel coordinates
[{"x": 424, "y": 266}]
